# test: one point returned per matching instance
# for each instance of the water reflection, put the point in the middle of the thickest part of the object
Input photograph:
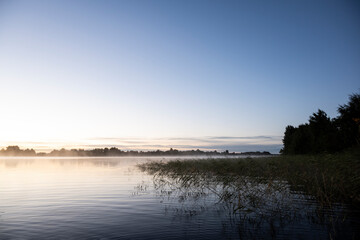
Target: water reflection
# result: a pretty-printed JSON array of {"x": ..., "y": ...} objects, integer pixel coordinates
[
  {"x": 111, "y": 198},
  {"x": 254, "y": 208}
]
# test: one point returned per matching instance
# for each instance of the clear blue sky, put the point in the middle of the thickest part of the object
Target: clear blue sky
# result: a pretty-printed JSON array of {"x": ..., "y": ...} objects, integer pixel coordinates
[{"x": 172, "y": 73}]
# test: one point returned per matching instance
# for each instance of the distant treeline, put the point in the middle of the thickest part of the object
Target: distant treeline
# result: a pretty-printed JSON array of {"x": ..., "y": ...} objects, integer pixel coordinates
[
  {"x": 324, "y": 135},
  {"x": 99, "y": 152},
  {"x": 16, "y": 151}
]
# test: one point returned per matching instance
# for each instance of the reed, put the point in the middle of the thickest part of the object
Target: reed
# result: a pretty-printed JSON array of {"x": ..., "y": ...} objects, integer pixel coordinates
[{"x": 328, "y": 178}]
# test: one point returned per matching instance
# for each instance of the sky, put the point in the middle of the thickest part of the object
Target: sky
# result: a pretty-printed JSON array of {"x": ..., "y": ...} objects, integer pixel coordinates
[{"x": 148, "y": 75}]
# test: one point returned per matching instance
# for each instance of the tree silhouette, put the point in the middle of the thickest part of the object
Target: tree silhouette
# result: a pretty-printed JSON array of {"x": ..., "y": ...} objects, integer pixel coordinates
[
  {"x": 349, "y": 121},
  {"x": 16, "y": 151},
  {"x": 323, "y": 134}
]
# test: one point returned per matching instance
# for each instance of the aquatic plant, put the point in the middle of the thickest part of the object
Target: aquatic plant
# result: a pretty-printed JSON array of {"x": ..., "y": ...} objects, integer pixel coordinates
[
  {"x": 263, "y": 193},
  {"x": 330, "y": 179}
]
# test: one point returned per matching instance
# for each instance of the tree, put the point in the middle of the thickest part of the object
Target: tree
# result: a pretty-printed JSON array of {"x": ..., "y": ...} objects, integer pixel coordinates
[
  {"x": 303, "y": 140},
  {"x": 288, "y": 140},
  {"x": 298, "y": 140},
  {"x": 13, "y": 149},
  {"x": 349, "y": 121},
  {"x": 323, "y": 134}
]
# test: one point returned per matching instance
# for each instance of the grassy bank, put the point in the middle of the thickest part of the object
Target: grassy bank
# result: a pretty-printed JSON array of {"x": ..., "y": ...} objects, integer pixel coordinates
[{"x": 329, "y": 179}]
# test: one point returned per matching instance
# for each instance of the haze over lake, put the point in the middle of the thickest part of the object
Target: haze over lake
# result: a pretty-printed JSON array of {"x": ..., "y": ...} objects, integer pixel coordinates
[{"x": 106, "y": 198}]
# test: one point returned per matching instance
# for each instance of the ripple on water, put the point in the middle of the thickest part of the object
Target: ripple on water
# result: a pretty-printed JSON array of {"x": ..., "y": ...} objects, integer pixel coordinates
[{"x": 107, "y": 198}]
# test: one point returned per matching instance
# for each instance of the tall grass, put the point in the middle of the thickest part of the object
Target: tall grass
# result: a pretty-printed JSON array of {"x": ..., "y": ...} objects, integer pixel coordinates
[
  {"x": 268, "y": 194},
  {"x": 330, "y": 179}
]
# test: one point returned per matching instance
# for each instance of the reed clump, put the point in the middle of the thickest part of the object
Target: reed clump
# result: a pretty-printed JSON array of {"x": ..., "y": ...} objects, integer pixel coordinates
[{"x": 328, "y": 178}]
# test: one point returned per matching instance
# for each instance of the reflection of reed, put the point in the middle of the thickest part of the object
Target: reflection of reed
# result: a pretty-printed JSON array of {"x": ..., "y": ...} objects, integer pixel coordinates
[
  {"x": 269, "y": 205},
  {"x": 330, "y": 179}
]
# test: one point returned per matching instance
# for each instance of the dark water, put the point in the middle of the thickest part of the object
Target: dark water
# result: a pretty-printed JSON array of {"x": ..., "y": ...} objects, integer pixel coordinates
[{"x": 110, "y": 198}]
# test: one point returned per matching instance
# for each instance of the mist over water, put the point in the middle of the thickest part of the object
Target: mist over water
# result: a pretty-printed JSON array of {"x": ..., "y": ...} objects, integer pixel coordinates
[{"x": 107, "y": 198}]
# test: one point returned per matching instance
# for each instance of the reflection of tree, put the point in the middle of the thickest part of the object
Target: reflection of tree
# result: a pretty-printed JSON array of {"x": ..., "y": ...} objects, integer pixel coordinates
[
  {"x": 269, "y": 206},
  {"x": 99, "y": 162},
  {"x": 13, "y": 163}
]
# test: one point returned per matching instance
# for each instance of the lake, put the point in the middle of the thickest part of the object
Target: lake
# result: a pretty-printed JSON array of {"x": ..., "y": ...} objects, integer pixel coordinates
[{"x": 111, "y": 198}]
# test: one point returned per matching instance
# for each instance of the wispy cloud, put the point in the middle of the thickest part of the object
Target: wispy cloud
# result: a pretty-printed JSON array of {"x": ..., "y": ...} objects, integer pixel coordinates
[
  {"x": 252, "y": 137},
  {"x": 220, "y": 143}
]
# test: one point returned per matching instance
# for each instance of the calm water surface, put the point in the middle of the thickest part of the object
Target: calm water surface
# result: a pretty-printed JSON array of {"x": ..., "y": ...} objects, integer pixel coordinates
[{"x": 110, "y": 198}]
